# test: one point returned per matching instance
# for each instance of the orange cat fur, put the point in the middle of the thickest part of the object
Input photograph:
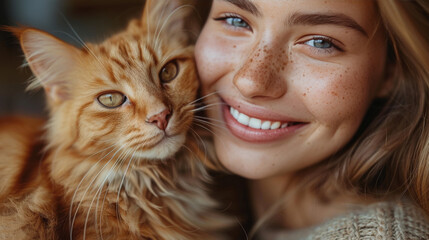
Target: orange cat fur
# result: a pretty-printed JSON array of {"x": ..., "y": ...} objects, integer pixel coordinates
[{"x": 116, "y": 159}]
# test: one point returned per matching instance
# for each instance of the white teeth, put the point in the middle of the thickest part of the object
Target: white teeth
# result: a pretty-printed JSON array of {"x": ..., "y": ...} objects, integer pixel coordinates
[
  {"x": 275, "y": 125},
  {"x": 254, "y": 122},
  {"x": 266, "y": 125},
  {"x": 234, "y": 113},
  {"x": 243, "y": 119}
]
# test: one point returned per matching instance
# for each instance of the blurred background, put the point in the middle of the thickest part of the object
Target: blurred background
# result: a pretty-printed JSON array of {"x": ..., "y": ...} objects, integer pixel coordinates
[{"x": 93, "y": 21}]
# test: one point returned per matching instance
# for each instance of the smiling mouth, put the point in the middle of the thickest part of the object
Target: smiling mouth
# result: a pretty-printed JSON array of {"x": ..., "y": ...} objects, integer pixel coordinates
[
  {"x": 258, "y": 130},
  {"x": 256, "y": 123}
]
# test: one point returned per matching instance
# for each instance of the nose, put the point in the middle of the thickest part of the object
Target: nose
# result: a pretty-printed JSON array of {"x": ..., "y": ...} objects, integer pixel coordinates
[
  {"x": 160, "y": 119},
  {"x": 262, "y": 74}
]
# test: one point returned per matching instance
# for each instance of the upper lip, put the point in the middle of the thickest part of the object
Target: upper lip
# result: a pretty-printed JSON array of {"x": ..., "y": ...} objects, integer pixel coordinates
[{"x": 258, "y": 112}]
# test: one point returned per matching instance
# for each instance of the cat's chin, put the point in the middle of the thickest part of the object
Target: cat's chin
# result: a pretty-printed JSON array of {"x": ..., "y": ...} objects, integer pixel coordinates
[{"x": 164, "y": 149}]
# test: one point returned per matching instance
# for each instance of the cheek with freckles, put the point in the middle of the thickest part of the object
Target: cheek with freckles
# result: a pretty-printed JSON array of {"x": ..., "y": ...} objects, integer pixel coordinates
[{"x": 335, "y": 94}]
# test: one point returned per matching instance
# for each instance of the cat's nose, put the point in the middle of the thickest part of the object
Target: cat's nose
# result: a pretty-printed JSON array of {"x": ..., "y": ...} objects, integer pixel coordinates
[{"x": 160, "y": 119}]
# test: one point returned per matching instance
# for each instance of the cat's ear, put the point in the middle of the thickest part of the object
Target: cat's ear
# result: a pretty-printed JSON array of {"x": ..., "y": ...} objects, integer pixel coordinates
[
  {"x": 174, "y": 18},
  {"x": 49, "y": 58}
]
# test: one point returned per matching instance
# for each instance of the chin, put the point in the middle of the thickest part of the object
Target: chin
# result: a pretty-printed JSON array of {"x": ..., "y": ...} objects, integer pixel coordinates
[
  {"x": 249, "y": 172},
  {"x": 249, "y": 168},
  {"x": 164, "y": 149}
]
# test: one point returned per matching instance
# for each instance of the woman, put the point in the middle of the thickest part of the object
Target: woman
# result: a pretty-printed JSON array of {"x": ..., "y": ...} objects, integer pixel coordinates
[{"x": 323, "y": 107}]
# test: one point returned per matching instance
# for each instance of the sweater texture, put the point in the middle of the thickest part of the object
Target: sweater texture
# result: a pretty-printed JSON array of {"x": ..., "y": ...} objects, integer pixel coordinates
[{"x": 399, "y": 219}]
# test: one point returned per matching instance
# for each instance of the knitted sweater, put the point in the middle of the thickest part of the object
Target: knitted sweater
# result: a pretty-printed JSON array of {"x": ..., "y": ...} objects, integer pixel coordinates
[{"x": 384, "y": 220}]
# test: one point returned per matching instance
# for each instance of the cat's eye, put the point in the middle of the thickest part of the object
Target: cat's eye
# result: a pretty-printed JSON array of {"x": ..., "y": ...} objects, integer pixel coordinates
[
  {"x": 169, "y": 72},
  {"x": 111, "y": 99}
]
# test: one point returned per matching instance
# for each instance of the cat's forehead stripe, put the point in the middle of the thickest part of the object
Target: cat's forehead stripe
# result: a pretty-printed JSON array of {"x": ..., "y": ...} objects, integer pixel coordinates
[
  {"x": 140, "y": 52},
  {"x": 153, "y": 54},
  {"x": 103, "y": 50},
  {"x": 126, "y": 52},
  {"x": 118, "y": 62},
  {"x": 111, "y": 74}
]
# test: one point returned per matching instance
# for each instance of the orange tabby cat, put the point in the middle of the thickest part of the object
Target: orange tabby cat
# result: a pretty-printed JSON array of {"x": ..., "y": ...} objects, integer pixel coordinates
[{"x": 116, "y": 159}]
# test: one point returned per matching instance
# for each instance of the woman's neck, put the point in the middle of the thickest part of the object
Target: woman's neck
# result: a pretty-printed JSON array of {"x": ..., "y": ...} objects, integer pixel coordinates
[{"x": 299, "y": 208}]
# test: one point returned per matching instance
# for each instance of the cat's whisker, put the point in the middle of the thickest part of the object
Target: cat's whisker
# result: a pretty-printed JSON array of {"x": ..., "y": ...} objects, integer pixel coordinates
[
  {"x": 172, "y": 53},
  {"x": 206, "y": 107},
  {"x": 198, "y": 138},
  {"x": 242, "y": 228},
  {"x": 190, "y": 150},
  {"x": 123, "y": 179},
  {"x": 204, "y": 97},
  {"x": 98, "y": 193},
  {"x": 208, "y": 119},
  {"x": 80, "y": 40},
  {"x": 89, "y": 186},
  {"x": 102, "y": 205},
  {"x": 119, "y": 160},
  {"x": 161, "y": 16},
  {"x": 81, "y": 181},
  {"x": 206, "y": 101},
  {"x": 101, "y": 215},
  {"x": 146, "y": 10},
  {"x": 210, "y": 125},
  {"x": 204, "y": 126},
  {"x": 167, "y": 20},
  {"x": 209, "y": 130}
]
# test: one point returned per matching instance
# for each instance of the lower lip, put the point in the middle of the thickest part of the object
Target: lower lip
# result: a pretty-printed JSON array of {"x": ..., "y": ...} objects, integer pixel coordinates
[{"x": 256, "y": 135}]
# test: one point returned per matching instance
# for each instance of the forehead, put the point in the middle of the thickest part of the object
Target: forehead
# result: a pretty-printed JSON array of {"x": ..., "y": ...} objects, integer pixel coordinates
[{"x": 362, "y": 12}]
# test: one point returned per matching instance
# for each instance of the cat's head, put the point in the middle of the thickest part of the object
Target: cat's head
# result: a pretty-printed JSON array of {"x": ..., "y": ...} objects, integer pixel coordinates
[{"x": 131, "y": 94}]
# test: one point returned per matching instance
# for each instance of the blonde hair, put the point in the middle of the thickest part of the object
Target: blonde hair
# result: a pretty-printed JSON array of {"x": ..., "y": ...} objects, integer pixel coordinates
[{"x": 389, "y": 156}]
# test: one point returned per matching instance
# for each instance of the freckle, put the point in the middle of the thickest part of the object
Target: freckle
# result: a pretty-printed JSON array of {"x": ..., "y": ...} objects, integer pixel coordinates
[
  {"x": 304, "y": 76},
  {"x": 304, "y": 94},
  {"x": 234, "y": 46}
]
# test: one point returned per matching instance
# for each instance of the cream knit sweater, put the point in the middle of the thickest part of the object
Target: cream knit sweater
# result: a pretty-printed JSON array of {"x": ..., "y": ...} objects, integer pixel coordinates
[{"x": 385, "y": 220}]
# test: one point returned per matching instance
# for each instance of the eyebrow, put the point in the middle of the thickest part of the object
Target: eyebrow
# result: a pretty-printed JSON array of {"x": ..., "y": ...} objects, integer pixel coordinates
[
  {"x": 246, "y": 5},
  {"x": 319, "y": 19}
]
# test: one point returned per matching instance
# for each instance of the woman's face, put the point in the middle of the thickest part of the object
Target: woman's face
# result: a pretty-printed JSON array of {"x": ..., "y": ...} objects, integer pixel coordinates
[{"x": 292, "y": 79}]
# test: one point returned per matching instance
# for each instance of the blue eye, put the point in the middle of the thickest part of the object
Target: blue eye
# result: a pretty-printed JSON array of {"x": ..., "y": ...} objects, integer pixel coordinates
[
  {"x": 236, "y": 22},
  {"x": 320, "y": 43}
]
